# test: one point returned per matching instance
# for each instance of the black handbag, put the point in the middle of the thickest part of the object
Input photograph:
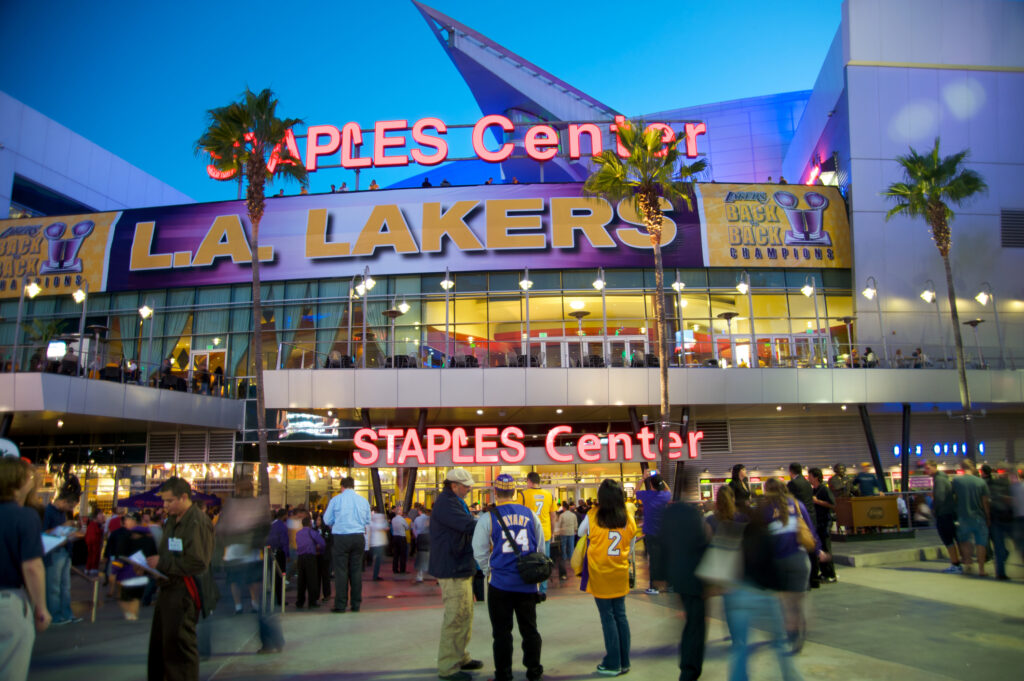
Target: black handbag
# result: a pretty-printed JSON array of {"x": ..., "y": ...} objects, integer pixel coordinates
[{"x": 533, "y": 567}]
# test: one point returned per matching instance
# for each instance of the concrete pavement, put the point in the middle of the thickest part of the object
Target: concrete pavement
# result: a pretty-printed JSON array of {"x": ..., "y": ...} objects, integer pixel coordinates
[{"x": 904, "y": 621}]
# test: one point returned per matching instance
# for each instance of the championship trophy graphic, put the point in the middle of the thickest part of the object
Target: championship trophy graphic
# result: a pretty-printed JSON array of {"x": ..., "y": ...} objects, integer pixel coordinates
[
  {"x": 63, "y": 253},
  {"x": 805, "y": 224}
]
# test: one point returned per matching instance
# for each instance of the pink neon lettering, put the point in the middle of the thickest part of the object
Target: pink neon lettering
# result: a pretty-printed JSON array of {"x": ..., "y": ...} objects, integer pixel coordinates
[
  {"x": 485, "y": 444},
  {"x": 364, "y": 442},
  {"x": 314, "y": 150},
  {"x": 516, "y": 445},
  {"x": 538, "y": 137},
  {"x": 391, "y": 434},
  {"x": 589, "y": 447},
  {"x": 619, "y": 149},
  {"x": 646, "y": 436},
  {"x": 616, "y": 439},
  {"x": 293, "y": 150},
  {"x": 589, "y": 129},
  {"x": 426, "y": 140},
  {"x": 411, "y": 448},
  {"x": 352, "y": 137},
  {"x": 434, "y": 446},
  {"x": 381, "y": 143},
  {"x": 668, "y": 136},
  {"x": 675, "y": 445},
  {"x": 460, "y": 440},
  {"x": 549, "y": 444},
  {"x": 695, "y": 436},
  {"x": 478, "y": 138},
  {"x": 692, "y": 130}
]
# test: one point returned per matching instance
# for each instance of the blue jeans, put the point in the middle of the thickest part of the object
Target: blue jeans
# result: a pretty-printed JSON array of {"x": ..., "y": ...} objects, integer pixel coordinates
[
  {"x": 615, "y": 627},
  {"x": 58, "y": 586},
  {"x": 378, "y": 556},
  {"x": 1000, "y": 532},
  {"x": 547, "y": 552},
  {"x": 746, "y": 606},
  {"x": 568, "y": 542}
]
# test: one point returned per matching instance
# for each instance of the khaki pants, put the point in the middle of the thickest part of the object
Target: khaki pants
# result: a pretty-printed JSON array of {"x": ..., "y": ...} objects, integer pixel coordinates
[
  {"x": 457, "y": 595},
  {"x": 17, "y": 634}
]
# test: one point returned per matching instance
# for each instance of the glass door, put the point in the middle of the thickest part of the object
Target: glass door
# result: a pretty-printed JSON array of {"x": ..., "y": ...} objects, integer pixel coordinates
[{"x": 206, "y": 372}]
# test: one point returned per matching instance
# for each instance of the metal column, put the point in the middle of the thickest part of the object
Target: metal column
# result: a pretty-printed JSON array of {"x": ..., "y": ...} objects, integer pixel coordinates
[
  {"x": 905, "y": 452},
  {"x": 410, "y": 486},
  {"x": 679, "y": 480},
  {"x": 865, "y": 420},
  {"x": 378, "y": 494},
  {"x": 635, "y": 422}
]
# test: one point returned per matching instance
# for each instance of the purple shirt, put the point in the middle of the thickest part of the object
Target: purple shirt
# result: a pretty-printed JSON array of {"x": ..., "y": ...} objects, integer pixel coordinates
[
  {"x": 654, "y": 506},
  {"x": 308, "y": 542},
  {"x": 278, "y": 539}
]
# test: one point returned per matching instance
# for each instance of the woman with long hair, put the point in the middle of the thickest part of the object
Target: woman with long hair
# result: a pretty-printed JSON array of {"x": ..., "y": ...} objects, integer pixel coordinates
[
  {"x": 782, "y": 513},
  {"x": 610, "y": 534}
]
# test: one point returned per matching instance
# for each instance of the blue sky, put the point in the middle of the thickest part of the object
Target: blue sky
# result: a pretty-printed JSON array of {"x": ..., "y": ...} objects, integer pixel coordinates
[{"x": 138, "y": 77}]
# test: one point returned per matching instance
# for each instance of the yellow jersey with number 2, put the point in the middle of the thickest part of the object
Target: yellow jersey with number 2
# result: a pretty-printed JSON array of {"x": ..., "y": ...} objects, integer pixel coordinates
[
  {"x": 608, "y": 558},
  {"x": 540, "y": 502}
]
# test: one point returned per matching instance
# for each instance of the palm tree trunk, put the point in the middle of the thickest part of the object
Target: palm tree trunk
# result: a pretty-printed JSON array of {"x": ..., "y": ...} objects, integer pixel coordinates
[
  {"x": 664, "y": 407},
  {"x": 257, "y": 351},
  {"x": 965, "y": 395}
]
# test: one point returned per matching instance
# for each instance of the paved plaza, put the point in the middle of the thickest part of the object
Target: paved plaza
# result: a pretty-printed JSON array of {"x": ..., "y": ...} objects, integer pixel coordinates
[{"x": 899, "y": 621}]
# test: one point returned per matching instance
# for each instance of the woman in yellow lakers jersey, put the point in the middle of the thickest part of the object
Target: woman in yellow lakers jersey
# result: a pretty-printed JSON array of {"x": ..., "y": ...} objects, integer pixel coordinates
[{"x": 611, "y": 534}]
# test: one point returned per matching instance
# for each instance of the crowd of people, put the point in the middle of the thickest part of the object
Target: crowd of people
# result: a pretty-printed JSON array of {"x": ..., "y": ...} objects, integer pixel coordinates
[{"x": 761, "y": 552}]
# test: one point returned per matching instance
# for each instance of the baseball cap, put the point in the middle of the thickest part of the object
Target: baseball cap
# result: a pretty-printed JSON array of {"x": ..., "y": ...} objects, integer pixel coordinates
[
  {"x": 461, "y": 476},
  {"x": 504, "y": 481}
]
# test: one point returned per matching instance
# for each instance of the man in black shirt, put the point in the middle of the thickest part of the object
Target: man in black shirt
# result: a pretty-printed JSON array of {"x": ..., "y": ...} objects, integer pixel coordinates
[
  {"x": 804, "y": 493},
  {"x": 22, "y": 576},
  {"x": 824, "y": 506}
]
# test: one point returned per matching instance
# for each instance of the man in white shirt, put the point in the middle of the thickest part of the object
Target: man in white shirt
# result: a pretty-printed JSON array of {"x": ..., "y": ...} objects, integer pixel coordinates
[
  {"x": 348, "y": 515},
  {"x": 399, "y": 545}
]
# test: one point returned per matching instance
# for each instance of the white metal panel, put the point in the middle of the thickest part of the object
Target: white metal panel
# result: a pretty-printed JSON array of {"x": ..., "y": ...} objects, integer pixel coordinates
[
  {"x": 418, "y": 388},
  {"x": 548, "y": 387},
  {"x": 587, "y": 386},
  {"x": 300, "y": 387},
  {"x": 465, "y": 387},
  {"x": 375, "y": 388},
  {"x": 332, "y": 389},
  {"x": 508, "y": 387}
]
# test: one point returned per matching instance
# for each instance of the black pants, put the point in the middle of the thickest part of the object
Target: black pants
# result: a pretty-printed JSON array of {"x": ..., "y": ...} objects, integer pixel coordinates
[
  {"x": 399, "y": 553},
  {"x": 501, "y": 605},
  {"x": 173, "y": 650},
  {"x": 348, "y": 562},
  {"x": 653, "y": 555},
  {"x": 695, "y": 633},
  {"x": 323, "y": 571},
  {"x": 309, "y": 581},
  {"x": 819, "y": 570},
  {"x": 281, "y": 558}
]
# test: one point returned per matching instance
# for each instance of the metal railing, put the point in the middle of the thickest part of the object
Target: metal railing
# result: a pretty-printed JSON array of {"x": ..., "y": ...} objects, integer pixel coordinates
[{"x": 271, "y": 573}]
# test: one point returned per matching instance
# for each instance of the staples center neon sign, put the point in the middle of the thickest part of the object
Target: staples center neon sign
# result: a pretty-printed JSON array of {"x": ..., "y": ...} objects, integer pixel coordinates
[
  {"x": 403, "y": 446},
  {"x": 540, "y": 141}
]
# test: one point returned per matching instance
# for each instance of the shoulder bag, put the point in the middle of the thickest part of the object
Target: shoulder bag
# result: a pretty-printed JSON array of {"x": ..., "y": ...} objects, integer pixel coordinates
[
  {"x": 579, "y": 554},
  {"x": 533, "y": 567},
  {"x": 803, "y": 533}
]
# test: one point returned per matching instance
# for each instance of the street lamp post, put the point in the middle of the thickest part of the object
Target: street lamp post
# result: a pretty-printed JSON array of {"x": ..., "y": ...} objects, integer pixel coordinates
[
  {"x": 728, "y": 317},
  {"x": 809, "y": 289},
  {"x": 973, "y": 323},
  {"x": 81, "y": 296},
  {"x": 526, "y": 285},
  {"x": 678, "y": 286},
  {"x": 579, "y": 315},
  {"x": 32, "y": 289},
  {"x": 351, "y": 296},
  {"x": 447, "y": 284},
  {"x": 928, "y": 296},
  {"x": 983, "y": 297},
  {"x": 363, "y": 289},
  {"x": 599, "y": 284},
  {"x": 744, "y": 288},
  {"x": 871, "y": 293},
  {"x": 147, "y": 312}
]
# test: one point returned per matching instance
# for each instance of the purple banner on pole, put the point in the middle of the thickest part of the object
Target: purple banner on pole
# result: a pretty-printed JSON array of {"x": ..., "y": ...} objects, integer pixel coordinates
[{"x": 400, "y": 231}]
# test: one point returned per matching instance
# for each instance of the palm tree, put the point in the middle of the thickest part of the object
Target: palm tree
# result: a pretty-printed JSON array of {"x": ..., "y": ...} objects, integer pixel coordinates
[
  {"x": 653, "y": 171},
  {"x": 243, "y": 136},
  {"x": 929, "y": 183}
]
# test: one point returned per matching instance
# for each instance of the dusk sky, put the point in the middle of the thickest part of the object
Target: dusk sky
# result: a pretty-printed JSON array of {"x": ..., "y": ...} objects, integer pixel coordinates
[{"x": 137, "y": 77}]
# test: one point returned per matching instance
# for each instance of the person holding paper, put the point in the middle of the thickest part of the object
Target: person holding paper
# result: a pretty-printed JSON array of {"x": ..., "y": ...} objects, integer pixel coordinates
[
  {"x": 185, "y": 551},
  {"x": 58, "y": 560},
  {"x": 22, "y": 579}
]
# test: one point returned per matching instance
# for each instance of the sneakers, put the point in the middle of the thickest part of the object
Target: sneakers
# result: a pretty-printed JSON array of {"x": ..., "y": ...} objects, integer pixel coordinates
[
  {"x": 652, "y": 591},
  {"x": 472, "y": 666},
  {"x": 606, "y": 671},
  {"x": 625, "y": 670},
  {"x": 457, "y": 676},
  {"x": 957, "y": 569}
]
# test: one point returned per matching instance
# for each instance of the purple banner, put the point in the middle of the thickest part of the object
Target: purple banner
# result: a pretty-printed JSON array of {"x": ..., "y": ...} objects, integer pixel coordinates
[{"x": 400, "y": 231}]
